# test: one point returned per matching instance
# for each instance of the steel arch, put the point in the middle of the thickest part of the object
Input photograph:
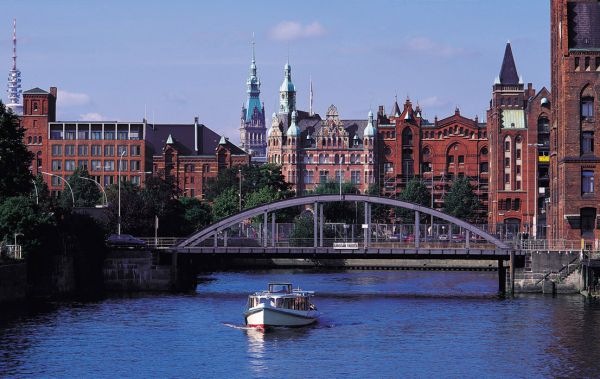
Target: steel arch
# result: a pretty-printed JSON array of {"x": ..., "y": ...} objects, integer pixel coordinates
[{"x": 198, "y": 237}]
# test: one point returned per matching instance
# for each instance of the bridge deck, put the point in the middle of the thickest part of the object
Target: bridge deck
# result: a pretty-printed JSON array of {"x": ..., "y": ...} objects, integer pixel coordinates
[{"x": 331, "y": 253}]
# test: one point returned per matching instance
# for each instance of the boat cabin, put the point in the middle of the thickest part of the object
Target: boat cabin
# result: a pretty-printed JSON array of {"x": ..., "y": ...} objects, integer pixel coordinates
[{"x": 280, "y": 287}]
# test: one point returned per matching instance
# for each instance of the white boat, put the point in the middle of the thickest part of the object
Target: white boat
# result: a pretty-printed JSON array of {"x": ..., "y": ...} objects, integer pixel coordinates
[{"x": 280, "y": 305}]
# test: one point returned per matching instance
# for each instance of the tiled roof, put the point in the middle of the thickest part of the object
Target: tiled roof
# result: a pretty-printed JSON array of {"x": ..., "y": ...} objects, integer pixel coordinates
[{"x": 36, "y": 91}]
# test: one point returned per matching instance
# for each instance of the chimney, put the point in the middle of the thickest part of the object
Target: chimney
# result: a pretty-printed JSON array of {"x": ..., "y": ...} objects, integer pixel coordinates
[
  {"x": 53, "y": 91},
  {"x": 196, "y": 134}
]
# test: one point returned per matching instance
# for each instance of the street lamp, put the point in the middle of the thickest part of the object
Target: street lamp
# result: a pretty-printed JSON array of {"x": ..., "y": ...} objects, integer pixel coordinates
[
  {"x": 119, "y": 179},
  {"x": 37, "y": 196},
  {"x": 240, "y": 193},
  {"x": 101, "y": 188},
  {"x": 66, "y": 182}
]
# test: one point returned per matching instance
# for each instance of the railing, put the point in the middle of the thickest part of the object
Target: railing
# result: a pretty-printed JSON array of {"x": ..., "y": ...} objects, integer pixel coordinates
[
  {"x": 14, "y": 251},
  {"x": 161, "y": 242},
  {"x": 562, "y": 274},
  {"x": 548, "y": 245}
]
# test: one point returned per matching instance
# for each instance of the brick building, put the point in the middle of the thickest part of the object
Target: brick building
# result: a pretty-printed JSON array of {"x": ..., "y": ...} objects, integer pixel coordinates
[
  {"x": 517, "y": 123},
  {"x": 574, "y": 160},
  {"x": 191, "y": 153}
]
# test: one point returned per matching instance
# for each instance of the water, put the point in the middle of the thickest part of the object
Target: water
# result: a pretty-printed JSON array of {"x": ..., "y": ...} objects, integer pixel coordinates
[{"x": 374, "y": 324}]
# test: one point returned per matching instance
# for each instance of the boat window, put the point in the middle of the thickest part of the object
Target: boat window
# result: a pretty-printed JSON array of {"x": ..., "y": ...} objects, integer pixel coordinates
[{"x": 280, "y": 288}]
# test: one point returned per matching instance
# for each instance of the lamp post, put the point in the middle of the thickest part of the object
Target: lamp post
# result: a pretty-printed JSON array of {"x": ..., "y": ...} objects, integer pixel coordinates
[
  {"x": 119, "y": 179},
  {"x": 37, "y": 196},
  {"x": 66, "y": 182},
  {"x": 99, "y": 185},
  {"x": 340, "y": 162},
  {"x": 240, "y": 192}
]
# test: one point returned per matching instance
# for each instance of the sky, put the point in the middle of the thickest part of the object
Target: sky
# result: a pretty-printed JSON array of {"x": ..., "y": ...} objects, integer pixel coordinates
[{"x": 174, "y": 60}]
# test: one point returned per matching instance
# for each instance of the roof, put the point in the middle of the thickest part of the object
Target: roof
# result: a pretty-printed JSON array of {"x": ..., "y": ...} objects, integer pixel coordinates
[
  {"x": 508, "y": 71},
  {"x": 183, "y": 139},
  {"x": 36, "y": 91},
  {"x": 513, "y": 119},
  {"x": 584, "y": 25}
]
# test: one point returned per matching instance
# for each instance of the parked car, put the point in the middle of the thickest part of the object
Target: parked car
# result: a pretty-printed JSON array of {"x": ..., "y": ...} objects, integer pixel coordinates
[
  {"x": 124, "y": 240},
  {"x": 458, "y": 238},
  {"x": 409, "y": 238},
  {"x": 443, "y": 237}
]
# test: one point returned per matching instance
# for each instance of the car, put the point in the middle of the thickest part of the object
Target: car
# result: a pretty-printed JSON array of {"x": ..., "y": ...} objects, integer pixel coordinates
[
  {"x": 124, "y": 240},
  {"x": 443, "y": 237},
  {"x": 458, "y": 238},
  {"x": 409, "y": 238}
]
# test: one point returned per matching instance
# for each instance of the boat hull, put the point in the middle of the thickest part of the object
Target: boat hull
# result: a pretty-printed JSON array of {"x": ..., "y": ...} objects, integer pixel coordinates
[{"x": 265, "y": 317}]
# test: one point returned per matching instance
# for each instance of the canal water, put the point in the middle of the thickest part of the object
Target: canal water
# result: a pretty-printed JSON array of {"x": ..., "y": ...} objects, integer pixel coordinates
[{"x": 374, "y": 324}]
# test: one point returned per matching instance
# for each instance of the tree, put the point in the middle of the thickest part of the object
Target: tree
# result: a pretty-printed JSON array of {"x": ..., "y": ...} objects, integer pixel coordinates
[
  {"x": 461, "y": 201},
  {"x": 137, "y": 215},
  {"x": 415, "y": 192},
  {"x": 253, "y": 177},
  {"x": 196, "y": 214},
  {"x": 302, "y": 234},
  {"x": 340, "y": 211},
  {"x": 85, "y": 191},
  {"x": 226, "y": 204},
  {"x": 16, "y": 178},
  {"x": 379, "y": 213}
]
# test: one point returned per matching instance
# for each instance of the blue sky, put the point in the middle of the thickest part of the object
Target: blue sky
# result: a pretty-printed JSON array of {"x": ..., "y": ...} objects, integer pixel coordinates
[{"x": 177, "y": 59}]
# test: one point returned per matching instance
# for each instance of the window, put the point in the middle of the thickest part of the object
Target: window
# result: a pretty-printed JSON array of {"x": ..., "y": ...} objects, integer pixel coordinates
[
  {"x": 587, "y": 142},
  {"x": 516, "y": 204},
  {"x": 82, "y": 164},
  {"x": 191, "y": 179},
  {"x": 407, "y": 137},
  {"x": 108, "y": 180},
  {"x": 83, "y": 134},
  {"x": 506, "y": 178},
  {"x": 109, "y": 134},
  {"x": 123, "y": 165},
  {"x": 56, "y": 181},
  {"x": 308, "y": 177},
  {"x": 121, "y": 149},
  {"x": 70, "y": 165},
  {"x": 135, "y": 151},
  {"x": 56, "y": 165},
  {"x": 109, "y": 151},
  {"x": 506, "y": 145},
  {"x": 483, "y": 167},
  {"x": 387, "y": 167},
  {"x": 518, "y": 184},
  {"x": 576, "y": 63},
  {"x": 339, "y": 176},
  {"x": 82, "y": 150},
  {"x": 70, "y": 134},
  {"x": 70, "y": 150},
  {"x": 109, "y": 165},
  {"x": 122, "y": 135},
  {"x": 56, "y": 150},
  {"x": 588, "y": 221},
  {"x": 96, "y": 165},
  {"x": 96, "y": 134},
  {"x": 29, "y": 140},
  {"x": 461, "y": 159},
  {"x": 134, "y": 166},
  {"x": 518, "y": 168},
  {"x": 587, "y": 181},
  {"x": 450, "y": 158},
  {"x": 96, "y": 151},
  {"x": 587, "y": 108},
  {"x": 518, "y": 153},
  {"x": 508, "y": 204},
  {"x": 355, "y": 177},
  {"x": 506, "y": 162},
  {"x": 323, "y": 174},
  {"x": 136, "y": 180}
]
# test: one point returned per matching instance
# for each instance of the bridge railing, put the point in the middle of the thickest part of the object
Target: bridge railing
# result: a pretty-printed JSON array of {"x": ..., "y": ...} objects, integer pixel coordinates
[
  {"x": 553, "y": 245},
  {"x": 161, "y": 242}
]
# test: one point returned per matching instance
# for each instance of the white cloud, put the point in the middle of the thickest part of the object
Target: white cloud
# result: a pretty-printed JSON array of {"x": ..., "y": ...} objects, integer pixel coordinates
[
  {"x": 92, "y": 116},
  {"x": 72, "y": 99},
  {"x": 428, "y": 46},
  {"x": 293, "y": 30},
  {"x": 433, "y": 102}
]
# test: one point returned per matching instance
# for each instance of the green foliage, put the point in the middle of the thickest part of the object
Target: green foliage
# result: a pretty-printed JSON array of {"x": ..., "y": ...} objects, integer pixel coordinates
[
  {"x": 416, "y": 192},
  {"x": 253, "y": 178},
  {"x": 226, "y": 204},
  {"x": 196, "y": 215},
  {"x": 40, "y": 194},
  {"x": 15, "y": 159},
  {"x": 379, "y": 213},
  {"x": 302, "y": 234},
  {"x": 461, "y": 201},
  {"x": 85, "y": 191},
  {"x": 20, "y": 214},
  {"x": 137, "y": 217},
  {"x": 340, "y": 211}
]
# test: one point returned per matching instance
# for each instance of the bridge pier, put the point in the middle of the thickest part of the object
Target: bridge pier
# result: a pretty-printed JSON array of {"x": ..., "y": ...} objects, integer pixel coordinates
[
  {"x": 273, "y": 229},
  {"x": 417, "y": 229},
  {"x": 368, "y": 224},
  {"x": 321, "y": 221},
  {"x": 501, "y": 278},
  {"x": 265, "y": 230}
]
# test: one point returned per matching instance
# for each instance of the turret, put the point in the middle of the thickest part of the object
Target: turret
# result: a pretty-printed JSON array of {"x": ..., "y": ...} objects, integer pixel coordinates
[{"x": 287, "y": 92}]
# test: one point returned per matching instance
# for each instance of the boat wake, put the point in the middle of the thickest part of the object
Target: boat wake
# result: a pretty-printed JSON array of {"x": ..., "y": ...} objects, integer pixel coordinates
[{"x": 239, "y": 327}]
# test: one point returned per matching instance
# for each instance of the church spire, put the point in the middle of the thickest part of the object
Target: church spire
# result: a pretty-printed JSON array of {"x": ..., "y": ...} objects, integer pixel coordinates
[
  {"x": 287, "y": 91},
  {"x": 252, "y": 129},
  {"x": 508, "y": 71},
  {"x": 14, "y": 78}
]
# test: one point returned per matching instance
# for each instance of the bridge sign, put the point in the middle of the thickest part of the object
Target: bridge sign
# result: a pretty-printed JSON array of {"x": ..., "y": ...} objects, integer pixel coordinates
[{"x": 345, "y": 245}]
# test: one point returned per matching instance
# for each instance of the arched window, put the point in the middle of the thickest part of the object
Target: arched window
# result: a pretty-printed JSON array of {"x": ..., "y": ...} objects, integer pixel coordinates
[
  {"x": 337, "y": 159},
  {"x": 29, "y": 139},
  {"x": 407, "y": 137},
  {"x": 587, "y": 107},
  {"x": 507, "y": 163},
  {"x": 321, "y": 158}
]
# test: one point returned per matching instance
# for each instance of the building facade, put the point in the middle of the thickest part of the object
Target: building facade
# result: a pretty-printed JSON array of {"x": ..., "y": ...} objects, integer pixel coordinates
[
  {"x": 190, "y": 153},
  {"x": 515, "y": 117},
  {"x": 253, "y": 131},
  {"x": 574, "y": 158}
]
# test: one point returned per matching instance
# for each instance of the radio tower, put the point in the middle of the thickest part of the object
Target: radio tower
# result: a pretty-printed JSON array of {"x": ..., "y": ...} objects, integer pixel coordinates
[{"x": 14, "y": 79}]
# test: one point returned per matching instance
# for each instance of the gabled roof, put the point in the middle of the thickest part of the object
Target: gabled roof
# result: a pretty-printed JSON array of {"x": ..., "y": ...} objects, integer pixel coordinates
[
  {"x": 508, "y": 71},
  {"x": 395, "y": 110},
  {"x": 182, "y": 135},
  {"x": 36, "y": 91}
]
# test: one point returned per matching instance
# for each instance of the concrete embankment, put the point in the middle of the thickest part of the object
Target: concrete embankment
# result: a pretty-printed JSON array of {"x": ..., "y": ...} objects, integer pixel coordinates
[
  {"x": 125, "y": 270},
  {"x": 13, "y": 282}
]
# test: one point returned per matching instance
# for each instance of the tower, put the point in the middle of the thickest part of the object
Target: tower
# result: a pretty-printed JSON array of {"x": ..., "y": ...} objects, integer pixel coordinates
[
  {"x": 287, "y": 92},
  {"x": 512, "y": 152},
  {"x": 252, "y": 129},
  {"x": 14, "y": 79},
  {"x": 574, "y": 159}
]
